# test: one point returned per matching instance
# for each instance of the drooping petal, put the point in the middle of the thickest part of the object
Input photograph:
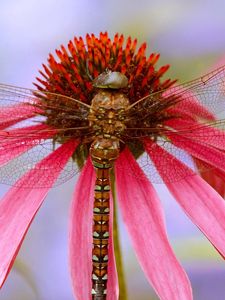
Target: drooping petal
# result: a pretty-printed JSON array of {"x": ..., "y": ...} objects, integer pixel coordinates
[
  {"x": 19, "y": 206},
  {"x": 214, "y": 177},
  {"x": 200, "y": 132},
  {"x": 80, "y": 233},
  {"x": 200, "y": 150},
  {"x": 189, "y": 104},
  {"x": 17, "y": 141},
  {"x": 185, "y": 114},
  {"x": 204, "y": 206},
  {"x": 208, "y": 136},
  {"x": 113, "y": 284},
  {"x": 11, "y": 115},
  {"x": 142, "y": 213},
  {"x": 81, "y": 239}
]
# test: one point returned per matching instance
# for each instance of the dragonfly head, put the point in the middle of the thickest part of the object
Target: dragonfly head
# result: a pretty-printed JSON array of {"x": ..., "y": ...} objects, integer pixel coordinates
[{"x": 110, "y": 80}]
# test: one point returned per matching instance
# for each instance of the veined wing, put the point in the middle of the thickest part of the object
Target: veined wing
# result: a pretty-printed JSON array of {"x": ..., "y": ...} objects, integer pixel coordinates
[
  {"x": 207, "y": 91},
  {"x": 191, "y": 127},
  {"x": 15, "y": 93},
  {"x": 26, "y": 137}
]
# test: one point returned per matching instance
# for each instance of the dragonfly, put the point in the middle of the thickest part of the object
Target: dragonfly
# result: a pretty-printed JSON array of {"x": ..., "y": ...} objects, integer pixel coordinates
[{"x": 33, "y": 123}]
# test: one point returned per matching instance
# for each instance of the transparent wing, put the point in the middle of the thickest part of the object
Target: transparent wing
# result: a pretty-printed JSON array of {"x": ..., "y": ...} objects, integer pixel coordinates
[
  {"x": 26, "y": 138},
  {"x": 203, "y": 145},
  {"x": 11, "y": 171},
  {"x": 21, "y": 109},
  {"x": 20, "y": 94},
  {"x": 208, "y": 91},
  {"x": 200, "y": 105}
]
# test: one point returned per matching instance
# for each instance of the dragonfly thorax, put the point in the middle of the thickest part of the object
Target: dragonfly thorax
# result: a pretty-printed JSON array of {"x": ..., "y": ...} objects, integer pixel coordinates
[
  {"x": 107, "y": 114},
  {"x": 107, "y": 120}
]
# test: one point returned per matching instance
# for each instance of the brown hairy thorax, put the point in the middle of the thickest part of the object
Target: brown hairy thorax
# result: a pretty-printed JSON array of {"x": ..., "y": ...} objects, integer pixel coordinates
[{"x": 107, "y": 114}]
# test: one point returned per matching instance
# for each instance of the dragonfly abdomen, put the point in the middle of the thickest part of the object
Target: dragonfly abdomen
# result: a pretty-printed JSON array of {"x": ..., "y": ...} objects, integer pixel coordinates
[
  {"x": 100, "y": 234},
  {"x": 103, "y": 153}
]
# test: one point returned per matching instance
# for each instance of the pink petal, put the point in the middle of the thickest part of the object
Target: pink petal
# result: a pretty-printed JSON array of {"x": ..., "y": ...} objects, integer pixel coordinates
[
  {"x": 214, "y": 177},
  {"x": 19, "y": 206},
  {"x": 112, "y": 285},
  {"x": 185, "y": 114},
  {"x": 17, "y": 141},
  {"x": 80, "y": 233},
  {"x": 199, "y": 143},
  {"x": 204, "y": 206},
  {"x": 200, "y": 150},
  {"x": 28, "y": 132},
  {"x": 81, "y": 239},
  {"x": 189, "y": 104},
  {"x": 200, "y": 132},
  {"x": 142, "y": 213},
  {"x": 11, "y": 115}
]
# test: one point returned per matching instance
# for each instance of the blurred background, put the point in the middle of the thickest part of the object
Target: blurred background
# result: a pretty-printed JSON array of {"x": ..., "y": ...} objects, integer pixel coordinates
[{"x": 190, "y": 35}]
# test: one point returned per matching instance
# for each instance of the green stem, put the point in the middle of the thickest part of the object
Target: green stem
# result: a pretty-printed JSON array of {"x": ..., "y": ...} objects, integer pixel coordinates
[{"x": 117, "y": 247}]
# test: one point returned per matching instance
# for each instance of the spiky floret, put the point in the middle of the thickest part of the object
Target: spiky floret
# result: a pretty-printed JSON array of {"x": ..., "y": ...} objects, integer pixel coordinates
[{"x": 78, "y": 65}]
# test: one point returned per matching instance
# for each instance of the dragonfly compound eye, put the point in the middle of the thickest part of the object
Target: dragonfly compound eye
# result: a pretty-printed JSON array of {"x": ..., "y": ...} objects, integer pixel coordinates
[{"x": 110, "y": 80}]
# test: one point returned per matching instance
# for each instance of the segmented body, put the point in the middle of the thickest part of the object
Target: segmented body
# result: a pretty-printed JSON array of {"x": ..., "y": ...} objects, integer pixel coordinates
[
  {"x": 107, "y": 120},
  {"x": 100, "y": 233}
]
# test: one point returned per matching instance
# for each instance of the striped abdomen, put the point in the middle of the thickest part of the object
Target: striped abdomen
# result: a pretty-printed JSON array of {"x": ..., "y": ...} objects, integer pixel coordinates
[
  {"x": 100, "y": 234},
  {"x": 103, "y": 153}
]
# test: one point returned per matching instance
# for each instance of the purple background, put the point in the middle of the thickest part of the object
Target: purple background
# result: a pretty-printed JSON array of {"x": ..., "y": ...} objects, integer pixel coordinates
[{"x": 190, "y": 35}]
